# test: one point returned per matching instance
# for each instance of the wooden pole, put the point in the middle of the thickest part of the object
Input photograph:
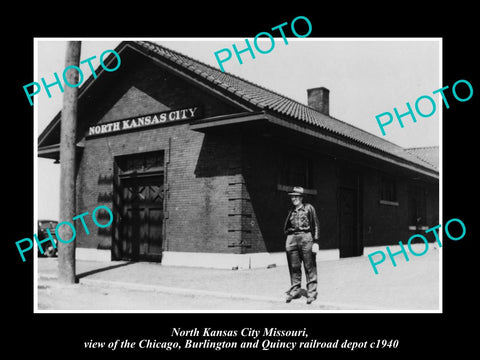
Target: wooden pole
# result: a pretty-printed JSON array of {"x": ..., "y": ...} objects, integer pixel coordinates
[{"x": 66, "y": 251}]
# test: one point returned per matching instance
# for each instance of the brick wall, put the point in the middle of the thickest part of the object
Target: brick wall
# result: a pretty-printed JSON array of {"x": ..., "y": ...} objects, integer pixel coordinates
[
  {"x": 386, "y": 224},
  {"x": 269, "y": 206},
  {"x": 223, "y": 196},
  {"x": 203, "y": 186},
  {"x": 381, "y": 224},
  {"x": 201, "y": 171}
]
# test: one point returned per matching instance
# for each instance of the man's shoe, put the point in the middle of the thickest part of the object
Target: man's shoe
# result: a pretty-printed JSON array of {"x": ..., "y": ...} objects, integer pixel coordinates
[
  {"x": 290, "y": 297},
  {"x": 311, "y": 299}
]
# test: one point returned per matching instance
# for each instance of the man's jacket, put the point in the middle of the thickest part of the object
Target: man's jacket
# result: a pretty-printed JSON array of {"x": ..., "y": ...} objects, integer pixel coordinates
[{"x": 303, "y": 220}]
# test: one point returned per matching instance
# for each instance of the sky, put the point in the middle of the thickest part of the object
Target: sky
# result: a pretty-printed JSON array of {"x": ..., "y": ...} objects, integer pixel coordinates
[{"x": 366, "y": 77}]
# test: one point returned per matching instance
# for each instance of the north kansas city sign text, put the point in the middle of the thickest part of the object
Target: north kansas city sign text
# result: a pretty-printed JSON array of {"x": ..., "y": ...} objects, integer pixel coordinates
[{"x": 144, "y": 121}]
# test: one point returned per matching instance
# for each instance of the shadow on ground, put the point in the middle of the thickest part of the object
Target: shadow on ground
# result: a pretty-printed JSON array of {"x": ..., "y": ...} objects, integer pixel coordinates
[{"x": 106, "y": 268}]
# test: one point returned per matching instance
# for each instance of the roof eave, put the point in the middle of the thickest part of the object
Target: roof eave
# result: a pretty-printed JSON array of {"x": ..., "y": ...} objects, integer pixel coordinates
[{"x": 344, "y": 142}]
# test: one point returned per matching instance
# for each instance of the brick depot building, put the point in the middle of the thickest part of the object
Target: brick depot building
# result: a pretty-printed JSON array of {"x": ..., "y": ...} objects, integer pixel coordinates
[{"x": 195, "y": 165}]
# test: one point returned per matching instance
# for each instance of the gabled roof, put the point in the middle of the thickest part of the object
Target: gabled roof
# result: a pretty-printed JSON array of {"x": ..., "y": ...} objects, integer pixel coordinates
[
  {"x": 262, "y": 99},
  {"x": 266, "y": 99},
  {"x": 430, "y": 154}
]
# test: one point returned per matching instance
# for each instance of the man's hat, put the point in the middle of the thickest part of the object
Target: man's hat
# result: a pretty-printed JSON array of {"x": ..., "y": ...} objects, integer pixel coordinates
[{"x": 297, "y": 190}]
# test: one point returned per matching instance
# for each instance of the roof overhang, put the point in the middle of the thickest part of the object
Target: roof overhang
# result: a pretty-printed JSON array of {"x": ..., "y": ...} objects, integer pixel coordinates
[
  {"x": 268, "y": 125},
  {"x": 231, "y": 120},
  {"x": 53, "y": 151},
  {"x": 49, "y": 152}
]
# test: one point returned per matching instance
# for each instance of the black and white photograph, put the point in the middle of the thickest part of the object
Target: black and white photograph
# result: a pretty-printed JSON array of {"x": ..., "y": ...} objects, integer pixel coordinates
[
  {"x": 258, "y": 188},
  {"x": 190, "y": 180}
]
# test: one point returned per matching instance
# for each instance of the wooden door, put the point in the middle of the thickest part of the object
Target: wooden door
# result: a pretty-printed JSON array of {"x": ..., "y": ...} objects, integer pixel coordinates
[
  {"x": 350, "y": 214},
  {"x": 417, "y": 208},
  {"x": 142, "y": 218}
]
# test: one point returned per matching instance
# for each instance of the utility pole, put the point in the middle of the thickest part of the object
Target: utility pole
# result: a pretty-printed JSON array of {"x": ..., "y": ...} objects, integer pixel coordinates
[{"x": 66, "y": 251}]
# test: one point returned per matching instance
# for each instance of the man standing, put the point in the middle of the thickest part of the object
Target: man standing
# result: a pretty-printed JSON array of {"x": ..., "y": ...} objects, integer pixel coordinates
[{"x": 302, "y": 230}]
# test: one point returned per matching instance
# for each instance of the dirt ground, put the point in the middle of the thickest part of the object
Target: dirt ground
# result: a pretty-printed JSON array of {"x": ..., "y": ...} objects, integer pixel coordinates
[{"x": 345, "y": 284}]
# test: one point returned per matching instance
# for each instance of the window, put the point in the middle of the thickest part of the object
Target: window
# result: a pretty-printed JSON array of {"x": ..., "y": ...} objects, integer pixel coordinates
[
  {"x": 388, "y": 191},
  {"x": 141, "y": 163},
  {"x": 296, "y": 170}
]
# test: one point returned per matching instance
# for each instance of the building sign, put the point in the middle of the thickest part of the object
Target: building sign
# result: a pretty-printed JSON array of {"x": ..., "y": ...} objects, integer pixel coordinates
[{"x": 144, "y": 121}]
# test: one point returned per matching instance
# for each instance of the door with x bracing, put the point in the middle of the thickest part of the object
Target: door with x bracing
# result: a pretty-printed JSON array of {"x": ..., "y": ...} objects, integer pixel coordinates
[{"x": 142, "y": 218}]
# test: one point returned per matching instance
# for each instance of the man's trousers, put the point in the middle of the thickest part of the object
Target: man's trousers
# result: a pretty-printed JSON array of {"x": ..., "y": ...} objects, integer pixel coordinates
[{"x": 299, "y": 249}]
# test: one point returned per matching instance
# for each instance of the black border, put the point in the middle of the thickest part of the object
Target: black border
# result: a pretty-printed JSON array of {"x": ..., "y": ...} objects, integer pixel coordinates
[{"x": 428, "y": 334}]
